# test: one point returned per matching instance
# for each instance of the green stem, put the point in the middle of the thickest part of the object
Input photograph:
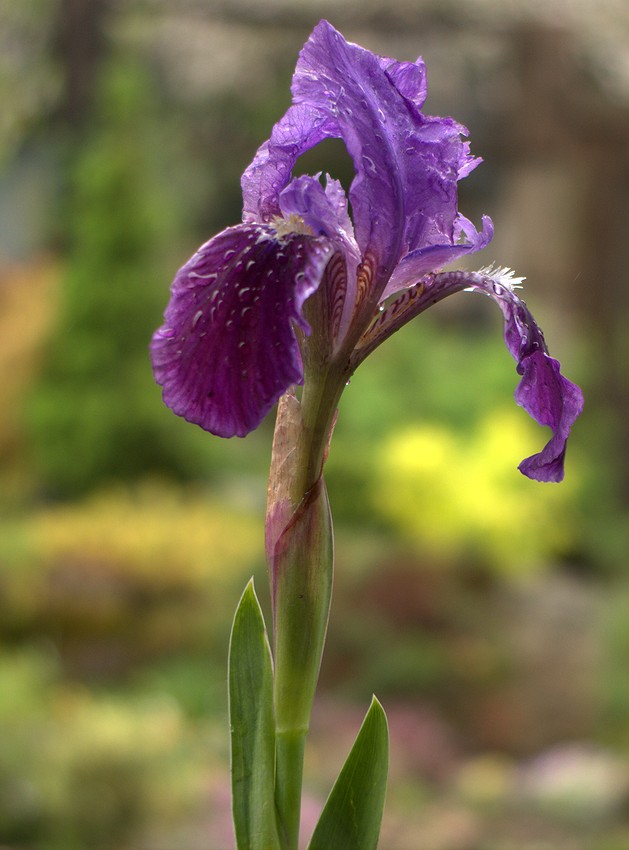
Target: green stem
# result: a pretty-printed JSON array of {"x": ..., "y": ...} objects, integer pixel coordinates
[
  {"x": 319, "y": 402},
  {"x": 289, "y": 762},
  {"x": 301, "y": 579}
]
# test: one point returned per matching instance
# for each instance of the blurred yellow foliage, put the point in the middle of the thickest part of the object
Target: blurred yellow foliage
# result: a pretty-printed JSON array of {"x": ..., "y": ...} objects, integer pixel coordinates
[
  {"x": 150, "y": 530},
  {"x": 460, "y": 497}
]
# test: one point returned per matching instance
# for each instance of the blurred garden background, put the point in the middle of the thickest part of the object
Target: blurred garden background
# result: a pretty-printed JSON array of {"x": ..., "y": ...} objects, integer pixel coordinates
[{"x": 489, "y": 613}]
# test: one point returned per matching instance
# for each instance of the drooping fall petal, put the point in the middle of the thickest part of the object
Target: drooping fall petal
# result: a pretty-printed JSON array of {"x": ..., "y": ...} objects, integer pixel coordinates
[
  {"x": 227, "y": 349},
  {"x": 545, "y": 394}
]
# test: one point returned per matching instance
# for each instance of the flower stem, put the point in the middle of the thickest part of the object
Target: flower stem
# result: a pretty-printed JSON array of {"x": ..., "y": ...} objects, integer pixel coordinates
[
  {"x": 301, "y": 555},
  {"x": 288, "y": 779}
]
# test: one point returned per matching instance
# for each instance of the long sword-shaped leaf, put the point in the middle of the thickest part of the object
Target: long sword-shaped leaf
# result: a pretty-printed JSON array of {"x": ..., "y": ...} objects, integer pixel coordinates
[
  {"x": 353, "y": 812},
  {"x": 252, "y": 728}
]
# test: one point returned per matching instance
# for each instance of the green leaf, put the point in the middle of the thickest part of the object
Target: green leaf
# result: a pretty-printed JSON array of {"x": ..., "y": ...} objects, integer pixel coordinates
[
  {"x": 252, "y": 728},
  {"x": 353, "y": 812}
]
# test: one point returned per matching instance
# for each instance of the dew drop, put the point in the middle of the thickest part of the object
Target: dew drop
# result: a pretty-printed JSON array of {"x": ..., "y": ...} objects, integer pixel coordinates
[
  {"x": 369, "y": 163},
  {"x": 196, "y": 317}
]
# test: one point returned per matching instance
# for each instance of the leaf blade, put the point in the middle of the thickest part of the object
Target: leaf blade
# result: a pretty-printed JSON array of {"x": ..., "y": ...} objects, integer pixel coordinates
[
  {"x": 252, "y": 728},
  {"x": 352, "y": 815}
]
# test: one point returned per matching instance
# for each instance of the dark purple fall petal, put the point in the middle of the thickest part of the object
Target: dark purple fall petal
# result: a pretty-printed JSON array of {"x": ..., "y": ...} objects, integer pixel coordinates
[{"x": 227, "y": 349}]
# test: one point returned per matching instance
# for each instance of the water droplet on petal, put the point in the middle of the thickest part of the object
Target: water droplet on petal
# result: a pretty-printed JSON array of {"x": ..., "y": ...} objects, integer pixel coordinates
[{"x": 369, "y": 164}]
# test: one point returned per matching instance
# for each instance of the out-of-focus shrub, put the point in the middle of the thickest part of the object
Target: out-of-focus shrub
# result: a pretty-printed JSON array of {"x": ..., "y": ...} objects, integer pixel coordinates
[
  {"x": 81, "y": 770},
  {"x": 460, "y": 497},
  {"x": 145, "y": 569},
  {"x": 95, "y": 413}
]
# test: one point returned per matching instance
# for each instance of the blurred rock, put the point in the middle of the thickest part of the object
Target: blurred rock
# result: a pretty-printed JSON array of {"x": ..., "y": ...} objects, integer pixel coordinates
[
  {"x": 577, "y": 781},
  {"x": 486, "y": 782}
]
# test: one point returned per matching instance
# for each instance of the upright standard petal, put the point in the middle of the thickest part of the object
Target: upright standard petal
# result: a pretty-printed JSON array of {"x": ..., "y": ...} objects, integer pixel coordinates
[
  {"x": 409, "y": 78},
  {"x": 418, "y": 263},
  {"x": 227, "y": 349},
  {"x": 404, "y": 195},
  {"x": 267, "y": 176},
  {"x": 325, "y": 211}
]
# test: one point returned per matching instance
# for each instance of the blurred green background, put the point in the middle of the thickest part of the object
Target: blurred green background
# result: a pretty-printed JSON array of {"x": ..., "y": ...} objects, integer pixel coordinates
[{"x": 488, "y": 612}]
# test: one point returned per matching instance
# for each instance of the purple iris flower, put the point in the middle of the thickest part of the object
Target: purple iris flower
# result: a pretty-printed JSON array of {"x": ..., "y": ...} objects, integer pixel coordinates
[{"x": 301, "y": 281}]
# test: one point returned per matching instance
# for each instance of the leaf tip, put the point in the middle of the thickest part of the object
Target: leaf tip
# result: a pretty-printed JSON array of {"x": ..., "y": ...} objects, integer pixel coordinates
[{"x": 376, "y": 710}]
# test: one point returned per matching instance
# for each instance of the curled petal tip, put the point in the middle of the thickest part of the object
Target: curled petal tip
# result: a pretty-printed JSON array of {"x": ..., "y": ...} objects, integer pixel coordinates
[{"x": 552, "y": 400}]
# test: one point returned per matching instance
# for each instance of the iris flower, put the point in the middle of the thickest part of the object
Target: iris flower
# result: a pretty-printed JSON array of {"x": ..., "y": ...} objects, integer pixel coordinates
[{"x": 301, "y": 285}]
